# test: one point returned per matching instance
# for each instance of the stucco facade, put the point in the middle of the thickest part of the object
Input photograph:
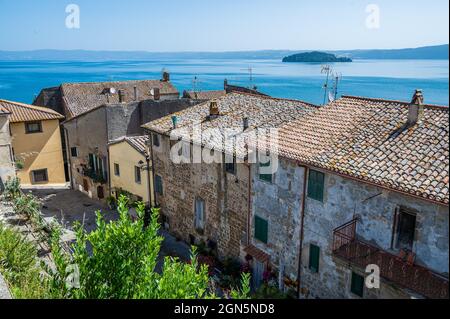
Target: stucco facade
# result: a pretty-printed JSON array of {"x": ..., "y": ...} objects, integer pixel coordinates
[
  {"x": 39, "y": 151},
  {"x": 7, "y": 170},
  {"x": 127, "y": 159}
]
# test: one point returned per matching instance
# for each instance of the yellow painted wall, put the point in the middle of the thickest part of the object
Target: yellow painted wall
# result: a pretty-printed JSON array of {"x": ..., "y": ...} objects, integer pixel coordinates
[
  {"x": 127, "y": 157},
  {"x": 39, "y": 151}
]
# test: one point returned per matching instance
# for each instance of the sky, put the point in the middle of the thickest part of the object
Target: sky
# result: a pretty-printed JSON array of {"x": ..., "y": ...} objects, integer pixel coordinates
[{"x": 223, "y": 25}]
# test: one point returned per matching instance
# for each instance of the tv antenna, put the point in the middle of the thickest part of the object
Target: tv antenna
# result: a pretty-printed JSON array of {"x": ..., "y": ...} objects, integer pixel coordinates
[
  {"x": 250, "y": 72},
  {"x": 328, "y": 70},
  {"x": 337, "y": 78},
  {"x": 195, "y": 84}
]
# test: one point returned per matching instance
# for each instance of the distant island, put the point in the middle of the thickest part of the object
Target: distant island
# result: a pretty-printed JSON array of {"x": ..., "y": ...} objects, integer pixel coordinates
[{"x": 314, "y": 57}]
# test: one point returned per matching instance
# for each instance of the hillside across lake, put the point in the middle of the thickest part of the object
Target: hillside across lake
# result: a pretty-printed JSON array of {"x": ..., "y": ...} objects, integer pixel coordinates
[{"x": 315, "y": 57}]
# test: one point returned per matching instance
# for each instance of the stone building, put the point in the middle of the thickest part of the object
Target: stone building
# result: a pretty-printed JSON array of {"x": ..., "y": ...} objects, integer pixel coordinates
[
  {"x": 210, "y": 200},
  {"x": 7, "y": 169},
  {"x": 75, "y": 99},
  {"x": 361, "y": 182}
]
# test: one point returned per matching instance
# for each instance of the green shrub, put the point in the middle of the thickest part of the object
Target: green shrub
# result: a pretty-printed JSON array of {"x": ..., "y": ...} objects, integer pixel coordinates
[
  {"x": 20, "y": 266},
  {"x": 12, "y": 189}
]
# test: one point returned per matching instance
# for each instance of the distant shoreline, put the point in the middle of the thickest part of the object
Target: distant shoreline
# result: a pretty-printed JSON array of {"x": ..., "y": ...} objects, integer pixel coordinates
[{"x": 440, "y": 52}]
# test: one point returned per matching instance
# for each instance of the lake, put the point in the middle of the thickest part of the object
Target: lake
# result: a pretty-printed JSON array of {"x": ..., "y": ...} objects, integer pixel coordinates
[{"x": 387, "y": 79}]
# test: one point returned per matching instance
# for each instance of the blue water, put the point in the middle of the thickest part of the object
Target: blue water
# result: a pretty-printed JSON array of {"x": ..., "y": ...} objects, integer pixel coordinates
[{"x": 389, "y": 79}]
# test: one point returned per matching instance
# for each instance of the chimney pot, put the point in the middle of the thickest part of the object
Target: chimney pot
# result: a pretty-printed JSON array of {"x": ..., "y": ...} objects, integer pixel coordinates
[
  {"x": 174, "y": 121},
  {"x": 415, "y": 110},
  {"x": 135, "y": 93},
  {"x": 121, "y": 96},
  {"x": 156, "y": 94},
  {"x": 213, "y": 109},
  {"x": 166, "y": 76},
  {"x": 245, "y": 122}
]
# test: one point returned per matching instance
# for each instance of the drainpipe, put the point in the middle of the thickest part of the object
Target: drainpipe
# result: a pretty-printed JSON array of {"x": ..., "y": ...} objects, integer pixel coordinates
[
  {"x": 249, "y": 202},
  {"x": 69, "y": 156},
  {"x": 149, "y": 194},
  {"x": 302, "y": 213},
  {"x": 150, "y": 141}
]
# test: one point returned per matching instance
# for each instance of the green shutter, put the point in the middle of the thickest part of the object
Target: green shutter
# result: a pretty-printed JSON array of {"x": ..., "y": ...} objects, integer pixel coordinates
[
  {"x": 91, "y": 161},
  {"x": 316, "y": 181},
  {"x": 265, "y": 177},
  {"x": 314, "y": 256},
  {"x": 158, "y": 185},
  {"x": 261, "y": 229},
  {"x": 357, "y": 286}
]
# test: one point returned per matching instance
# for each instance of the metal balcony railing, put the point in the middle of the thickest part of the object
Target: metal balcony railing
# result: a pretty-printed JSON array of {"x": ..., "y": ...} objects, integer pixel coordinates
[{"x": 396, "y": 269}]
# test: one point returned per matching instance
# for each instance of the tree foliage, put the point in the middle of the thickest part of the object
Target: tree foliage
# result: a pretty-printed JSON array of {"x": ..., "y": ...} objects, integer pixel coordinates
[{"x": 118, "y": 260}]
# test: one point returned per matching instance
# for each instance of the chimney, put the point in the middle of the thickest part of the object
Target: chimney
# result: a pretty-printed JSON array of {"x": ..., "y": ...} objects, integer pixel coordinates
[
  {"x": 135, "y": 93},
  {"x": 166, "y": 76},
  {"x": 245, "y": 122},
  {"x": 121, "y": 96},
  {"x": 415, "y": 111},
  {"x": 174, "y": 121},
  {"x": 156, "y": 94},
  {"x": 213, "y": 110}
]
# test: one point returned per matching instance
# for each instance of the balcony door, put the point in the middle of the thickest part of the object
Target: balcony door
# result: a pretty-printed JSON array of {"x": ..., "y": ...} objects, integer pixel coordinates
[{"x": 406, "y": 228}]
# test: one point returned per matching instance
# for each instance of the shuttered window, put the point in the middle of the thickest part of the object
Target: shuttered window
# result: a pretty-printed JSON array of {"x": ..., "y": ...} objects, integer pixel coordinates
[
  {"x": 314, "y": 257},
  {"x": 261, "y": 229},
  {"x": 316, "y": 183},
  {"x": 199, "y": 214},
  {"x": 158, "y": 185},
  {"x": 357, "y": 285},
  {"x": 265, "y": 177}
]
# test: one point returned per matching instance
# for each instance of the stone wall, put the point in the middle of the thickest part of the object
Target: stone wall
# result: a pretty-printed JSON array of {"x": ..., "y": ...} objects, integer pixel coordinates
[
  {"x": 225, "y": 196},
  {"x": 342, "y": 199},
  {"x": 280, "y": 204}
]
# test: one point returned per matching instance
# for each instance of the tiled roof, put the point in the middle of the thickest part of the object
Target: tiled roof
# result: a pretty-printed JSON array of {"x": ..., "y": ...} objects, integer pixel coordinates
[
  {"x": 366, "y": 139},
  {"x": 82, "y": 97},
  {"x": 137, "y": 142},
  {"x": 204, "y": 95},
  {"x": 25, "y": 113},
  {"x": 262, "y": 112},
  {"x": 3, "y": 111},
  {"x": 257, "y": 253}
]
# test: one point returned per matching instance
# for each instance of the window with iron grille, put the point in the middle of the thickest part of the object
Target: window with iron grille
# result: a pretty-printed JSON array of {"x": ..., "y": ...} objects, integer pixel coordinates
[
  {"x": 40, "y": 176},
  {"x": 33, "y": 127},
  {"x": 74, "y": 152},
  {"x": 116, "y": 169}
]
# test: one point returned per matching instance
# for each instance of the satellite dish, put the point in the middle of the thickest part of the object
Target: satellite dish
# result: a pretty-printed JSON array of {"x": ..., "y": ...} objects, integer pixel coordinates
[
  {"x": 112, "y": 90},
  {"x": 152, "y": 92}
]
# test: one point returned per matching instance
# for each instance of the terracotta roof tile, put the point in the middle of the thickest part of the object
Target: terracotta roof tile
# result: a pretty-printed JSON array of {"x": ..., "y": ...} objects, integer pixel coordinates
[
  {"x": 364, "y": 138},
  {"x": 82, "y": 97},
  {"x": 137, "y": 142},
  {"x": 26, "y": 113},
  {"x": 204, "y": 95}
]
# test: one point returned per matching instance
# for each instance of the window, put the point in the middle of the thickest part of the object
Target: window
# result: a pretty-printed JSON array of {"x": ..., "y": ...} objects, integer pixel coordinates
[
  {"x": 74, "y": 152},
  {"x": 406, "y": 227},
  {"x": 156, "y": 141},
  {"x": 137, "y": 174},
  {"x": 357, "y": 285},
  {"x": 316, "y": 182},
  {"x": 116, "y": 169},
  {"x": 97, "y": 164},
  {"x": 265, "y": 177},
  {"x": 40, "y": 176},
  {"x": 261, "y": 229},
  {"x": 231, "y": 167},
  {"x": 33, "y": 127},
  {"x": 314, "y": 257},
  {"x": 158, "y": 185},
  {"x": 199, "y": 221}
]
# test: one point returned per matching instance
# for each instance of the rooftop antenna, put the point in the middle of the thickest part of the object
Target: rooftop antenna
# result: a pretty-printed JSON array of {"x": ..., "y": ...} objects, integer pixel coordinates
[
  {"x": 195, "y": 84},
  {"x": 337, "y": 79},
  {"x": 250, "y": 72},
  {"x": 326, "y": 69}
]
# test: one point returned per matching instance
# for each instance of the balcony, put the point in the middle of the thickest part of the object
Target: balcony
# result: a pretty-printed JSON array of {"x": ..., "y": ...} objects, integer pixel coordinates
[{"x": 396, "y": 269}]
